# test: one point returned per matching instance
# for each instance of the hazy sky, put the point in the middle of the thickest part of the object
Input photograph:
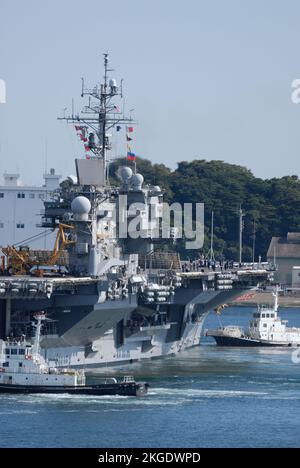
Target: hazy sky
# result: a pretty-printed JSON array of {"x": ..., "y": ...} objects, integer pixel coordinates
[{"x": 208, "y": 79}]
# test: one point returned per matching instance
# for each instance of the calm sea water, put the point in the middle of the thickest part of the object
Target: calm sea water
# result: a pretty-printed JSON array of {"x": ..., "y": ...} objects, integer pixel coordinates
[{"x": 205, "y": 397}]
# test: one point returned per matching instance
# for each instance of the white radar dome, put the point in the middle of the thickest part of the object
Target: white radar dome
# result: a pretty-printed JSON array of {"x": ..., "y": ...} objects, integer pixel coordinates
[
  {"x": 125, "y": 173},
  {"x": 81, "y": 206},
  {"x": 73, "y": 179},
  {"x": 137, "y": 181}
]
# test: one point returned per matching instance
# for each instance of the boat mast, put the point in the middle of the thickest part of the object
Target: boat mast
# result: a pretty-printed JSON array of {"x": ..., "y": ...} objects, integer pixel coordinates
[
  {"x": 275, "y": 295},
  {"x": 102, "y": 114},
  {"x": 211, "y": 251},
  {"x": 241, "y": 228},
  {"x": 253, "y": 243},
  {"x": 38, "y": 326}
]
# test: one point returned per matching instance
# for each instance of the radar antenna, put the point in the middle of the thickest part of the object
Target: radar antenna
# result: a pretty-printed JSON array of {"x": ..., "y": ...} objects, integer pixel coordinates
[{"x": 100, "y": 115}]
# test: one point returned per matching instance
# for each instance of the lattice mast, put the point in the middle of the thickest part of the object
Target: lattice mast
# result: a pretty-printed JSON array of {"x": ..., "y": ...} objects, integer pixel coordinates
[{"x": 100, "y": 115}]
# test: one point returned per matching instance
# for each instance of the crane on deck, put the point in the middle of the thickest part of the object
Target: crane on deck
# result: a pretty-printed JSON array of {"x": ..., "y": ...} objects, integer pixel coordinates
[{"x": 21, "y": 261}]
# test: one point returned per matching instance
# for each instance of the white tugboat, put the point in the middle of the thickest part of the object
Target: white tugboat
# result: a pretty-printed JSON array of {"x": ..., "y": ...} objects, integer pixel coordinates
[
  {"x": 24, "y": 370},
  {"x": 265, "y": 329}
]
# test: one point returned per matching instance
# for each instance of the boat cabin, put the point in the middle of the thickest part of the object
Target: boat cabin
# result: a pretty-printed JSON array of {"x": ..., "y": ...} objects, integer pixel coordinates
[
  {"x": 21, "y": 363},
  {"x": 267, "y": 325}
]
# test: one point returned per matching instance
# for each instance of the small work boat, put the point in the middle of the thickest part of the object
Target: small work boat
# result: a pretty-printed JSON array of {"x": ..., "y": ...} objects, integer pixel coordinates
[
  {"x": 24, "y": 370},
  {"x": 265, "y": 329}
]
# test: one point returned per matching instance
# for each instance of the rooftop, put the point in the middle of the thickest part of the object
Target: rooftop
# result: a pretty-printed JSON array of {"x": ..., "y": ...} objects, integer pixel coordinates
[
  {"x": 285, "y": 247},
  {"x": 12, "y": 181}
]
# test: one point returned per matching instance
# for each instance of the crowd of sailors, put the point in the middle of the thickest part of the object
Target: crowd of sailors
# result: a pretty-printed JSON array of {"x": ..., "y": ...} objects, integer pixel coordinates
[{"x": 202, "y": 264}]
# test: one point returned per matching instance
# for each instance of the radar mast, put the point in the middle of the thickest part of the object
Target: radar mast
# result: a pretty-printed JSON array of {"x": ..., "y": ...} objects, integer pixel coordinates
[{"x": 100, "y": 115}]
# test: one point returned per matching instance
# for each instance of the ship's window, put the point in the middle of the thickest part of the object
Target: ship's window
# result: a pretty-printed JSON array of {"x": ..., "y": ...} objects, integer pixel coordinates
[
  {"x": 14, "y": 351},
  {"x": 7, "y": 350},
  {"x": 1, "y": 195},
  {"x": 32, "y": 195},
  {"x": 5, "y": 364},
  {"x": 1, "y": 225},
  {"x": 272, "y": 315},
  {"x": 263, "y": 315},
  {"x": 268, "y": 315},
  {"x": 21, "y": 351},
  {"x": 20, "y": 364},
  {"x": 21, "y": 195},
  {"x": 20, "y": 226},
  {"x": 265, "y": 325}
]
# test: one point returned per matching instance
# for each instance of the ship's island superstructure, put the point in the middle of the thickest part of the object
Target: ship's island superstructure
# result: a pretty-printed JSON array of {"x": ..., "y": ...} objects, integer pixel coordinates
[{"x": 123, "y": 298}]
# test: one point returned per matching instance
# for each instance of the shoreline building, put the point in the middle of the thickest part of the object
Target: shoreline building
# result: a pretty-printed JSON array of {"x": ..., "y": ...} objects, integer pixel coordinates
[
  {"x": 21, "y": 207},
  {"x": 284, "y": 252}
]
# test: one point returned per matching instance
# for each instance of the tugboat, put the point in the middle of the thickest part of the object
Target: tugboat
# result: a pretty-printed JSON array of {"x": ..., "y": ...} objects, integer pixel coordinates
[
  {"x": 265, "y": 329},
  {"x": 24, "y": 370}
]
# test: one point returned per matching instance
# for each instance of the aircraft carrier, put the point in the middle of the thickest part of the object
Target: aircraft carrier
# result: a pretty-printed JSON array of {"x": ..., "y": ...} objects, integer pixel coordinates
[{"x": 123, "y": 297}]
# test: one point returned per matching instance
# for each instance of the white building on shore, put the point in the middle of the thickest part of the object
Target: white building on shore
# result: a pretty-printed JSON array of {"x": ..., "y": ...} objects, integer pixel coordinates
[
  {"x": 284, "y": 253},
  {"x": 20, "y": 211}
]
